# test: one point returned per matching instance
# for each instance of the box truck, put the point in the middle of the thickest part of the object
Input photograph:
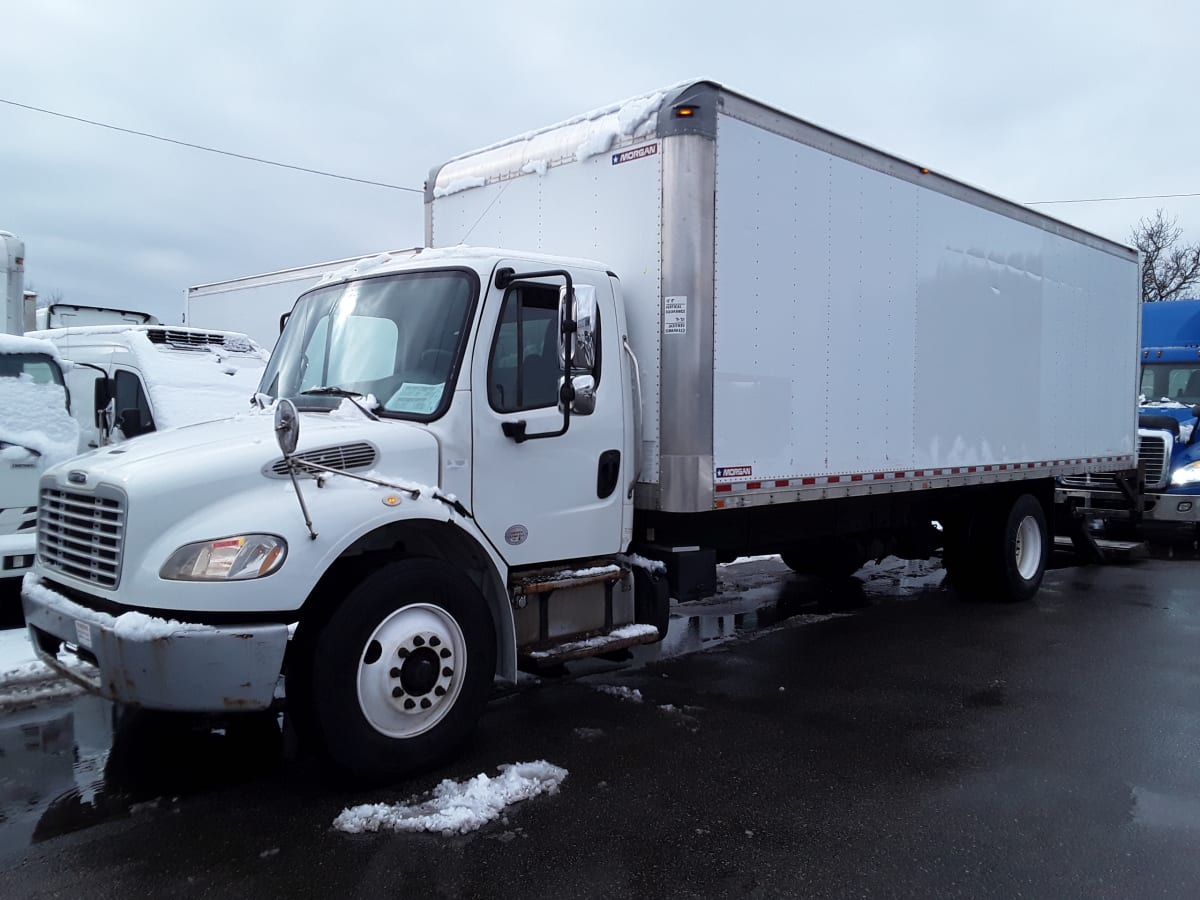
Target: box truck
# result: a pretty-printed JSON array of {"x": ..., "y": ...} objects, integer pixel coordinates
[
  {"x": 1168, "y": 442},
  {"x": 692, "y": 327}
]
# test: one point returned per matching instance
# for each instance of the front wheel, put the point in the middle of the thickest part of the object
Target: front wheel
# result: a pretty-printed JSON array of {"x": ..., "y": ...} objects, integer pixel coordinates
[{"x": 402, "y": 670}]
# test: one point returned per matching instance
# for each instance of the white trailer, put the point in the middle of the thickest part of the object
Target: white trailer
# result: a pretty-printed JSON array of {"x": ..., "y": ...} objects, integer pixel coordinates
[
  {"x": 256, "y": 305},
  {"x": 12, "y": 280},
  {"x": 724, "y": 329}
]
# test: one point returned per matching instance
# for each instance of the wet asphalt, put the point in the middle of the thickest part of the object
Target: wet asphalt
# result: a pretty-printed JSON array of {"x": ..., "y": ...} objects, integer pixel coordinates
[{"x": 795, "y": 739}]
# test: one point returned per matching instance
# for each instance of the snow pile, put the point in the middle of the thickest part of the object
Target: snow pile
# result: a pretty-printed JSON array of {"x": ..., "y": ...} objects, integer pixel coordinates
[
  {"x": 633, "y": 695},
  {"x": 454, "y": 807},
  {"x": 24, "y": 679},
  {"x": 35, "y": 416}
]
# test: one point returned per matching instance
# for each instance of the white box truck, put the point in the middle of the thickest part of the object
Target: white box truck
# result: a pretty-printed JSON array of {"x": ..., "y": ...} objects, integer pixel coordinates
[{"x": 714, "y": 326}]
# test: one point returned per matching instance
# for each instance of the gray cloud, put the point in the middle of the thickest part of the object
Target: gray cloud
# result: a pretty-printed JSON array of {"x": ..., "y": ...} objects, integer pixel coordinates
[{"x": 1030, "y": 100}]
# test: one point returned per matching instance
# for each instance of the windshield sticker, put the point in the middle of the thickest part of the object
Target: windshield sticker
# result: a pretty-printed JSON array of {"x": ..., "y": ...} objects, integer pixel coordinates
[
  {"x": 675, "y": 315},
  {"x": 637, "y": 153},
  {"x": 416, "y": 398}
]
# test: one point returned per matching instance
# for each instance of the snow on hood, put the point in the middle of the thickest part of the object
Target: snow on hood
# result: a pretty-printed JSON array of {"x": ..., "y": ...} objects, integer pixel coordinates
[
  {"x": 35, "y": 416},
  {"x": 198, "y": 385}
]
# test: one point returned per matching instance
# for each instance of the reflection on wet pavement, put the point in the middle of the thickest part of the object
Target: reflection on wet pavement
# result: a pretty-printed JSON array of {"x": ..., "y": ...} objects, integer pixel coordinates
[{"x": 72, "y": 764}]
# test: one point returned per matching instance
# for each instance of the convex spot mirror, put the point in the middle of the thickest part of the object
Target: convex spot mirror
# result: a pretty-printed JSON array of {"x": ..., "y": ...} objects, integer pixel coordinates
[{"x": 287, "y": 426}]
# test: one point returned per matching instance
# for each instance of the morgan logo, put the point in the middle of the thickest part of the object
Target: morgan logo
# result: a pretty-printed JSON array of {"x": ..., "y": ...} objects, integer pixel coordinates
[
  {"x": 637, "y": 153},
  {"x": 735, "y": 472},
  {"x": 516, "y": 534}
]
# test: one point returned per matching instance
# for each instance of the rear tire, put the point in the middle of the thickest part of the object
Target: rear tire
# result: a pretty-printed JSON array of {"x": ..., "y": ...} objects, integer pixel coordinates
[
  {"x": 1009, "y": 546},
  {"x": 402, "y": 670}
]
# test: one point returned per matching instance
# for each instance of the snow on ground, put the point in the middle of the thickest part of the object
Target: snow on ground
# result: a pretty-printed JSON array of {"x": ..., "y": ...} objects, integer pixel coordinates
[
  {"x": 457, "y": 807},
  {"x": 24, "y": 679}
]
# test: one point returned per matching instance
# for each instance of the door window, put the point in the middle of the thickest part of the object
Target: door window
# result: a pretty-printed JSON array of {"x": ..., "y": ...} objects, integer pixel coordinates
[{"x": 524, "y": 370}]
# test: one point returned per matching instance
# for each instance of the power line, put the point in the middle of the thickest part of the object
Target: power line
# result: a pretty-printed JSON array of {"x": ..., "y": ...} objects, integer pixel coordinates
[
  {"x": 398, "y": 187},
  {"x": 167, "y": 140},
  {"x": 1111, "y": 199}
]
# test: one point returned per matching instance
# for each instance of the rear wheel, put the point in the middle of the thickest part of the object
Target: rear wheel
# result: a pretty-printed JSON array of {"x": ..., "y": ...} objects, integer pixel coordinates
[
  {"x": 402, "y": 670},
  {"x": 1000, "y": 551}
]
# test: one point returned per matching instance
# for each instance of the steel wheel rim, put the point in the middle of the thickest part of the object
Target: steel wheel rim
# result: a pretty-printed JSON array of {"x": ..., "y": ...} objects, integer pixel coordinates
[
  {"x": 1027, "y": 549},
  {"x": 410, "y": 670}
]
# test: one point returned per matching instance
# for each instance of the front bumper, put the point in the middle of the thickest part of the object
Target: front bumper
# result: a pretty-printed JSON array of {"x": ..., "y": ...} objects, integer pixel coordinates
[
  {"x": 156, "y": 663},
  {"x": 1158, "y": 508}
]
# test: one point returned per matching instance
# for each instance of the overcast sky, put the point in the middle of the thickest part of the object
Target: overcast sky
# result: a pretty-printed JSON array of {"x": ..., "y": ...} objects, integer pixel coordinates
[{"x": 1031, "y": 100}]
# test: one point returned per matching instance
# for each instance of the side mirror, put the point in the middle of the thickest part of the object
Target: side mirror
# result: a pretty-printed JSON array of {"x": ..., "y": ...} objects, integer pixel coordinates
[{"x": 584, "y": 401}]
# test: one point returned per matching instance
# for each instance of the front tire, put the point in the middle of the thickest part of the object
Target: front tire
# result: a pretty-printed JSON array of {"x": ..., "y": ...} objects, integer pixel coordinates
[{"x": 402, "y": 670}]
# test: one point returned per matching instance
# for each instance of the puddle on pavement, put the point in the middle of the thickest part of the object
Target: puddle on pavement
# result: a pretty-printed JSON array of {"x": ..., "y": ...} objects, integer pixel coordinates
[{"x": 71, "y": 765}]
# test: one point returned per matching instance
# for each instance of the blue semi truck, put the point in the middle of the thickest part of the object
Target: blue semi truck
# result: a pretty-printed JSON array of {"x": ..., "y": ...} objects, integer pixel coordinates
[{"x": 1168, "y": 435}]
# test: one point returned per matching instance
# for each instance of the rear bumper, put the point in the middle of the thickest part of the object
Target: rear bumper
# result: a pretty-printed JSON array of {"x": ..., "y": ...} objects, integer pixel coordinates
[{"x": 156, "y": 663}]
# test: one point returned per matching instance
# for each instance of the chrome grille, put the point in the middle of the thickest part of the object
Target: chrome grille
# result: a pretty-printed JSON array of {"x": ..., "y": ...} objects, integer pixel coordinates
[
  {"x": 81, "y": 535},
  {"x": 345, "y": 456},
  {"x": 1154, "y": 452},
  {"x": 1100, "y": 481}
]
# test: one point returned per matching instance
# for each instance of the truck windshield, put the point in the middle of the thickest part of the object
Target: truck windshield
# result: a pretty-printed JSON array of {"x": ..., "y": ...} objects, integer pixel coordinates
[
  {"x": 1178, "y": 381},
  {"x": 38, "y": 368},
  {"x": 397, "y": 338}
]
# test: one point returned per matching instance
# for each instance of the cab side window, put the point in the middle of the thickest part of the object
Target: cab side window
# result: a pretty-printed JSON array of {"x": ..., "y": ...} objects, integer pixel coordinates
[
  {"x": 132, "y": 405},
  {"x": 524, "y": 369}
]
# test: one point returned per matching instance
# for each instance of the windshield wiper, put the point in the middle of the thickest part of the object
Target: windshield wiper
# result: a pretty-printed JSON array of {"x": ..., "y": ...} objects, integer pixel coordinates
[{"x": 332, "y": 391}]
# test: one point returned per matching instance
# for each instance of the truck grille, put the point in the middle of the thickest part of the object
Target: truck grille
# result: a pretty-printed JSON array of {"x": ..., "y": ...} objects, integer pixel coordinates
[
  {"x": 81, "y": 535},
  {"x": 1154, "y": 452},
  {"x": 185, "y": 339}
]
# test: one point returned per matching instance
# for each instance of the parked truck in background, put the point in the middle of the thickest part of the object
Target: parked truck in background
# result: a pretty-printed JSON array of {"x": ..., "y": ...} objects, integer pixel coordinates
[
  {"x": 258, "y": 304},
  {"x": 717, "y": 330},
  {"x": 129, "y": 380},
  {"x": 1168, "y": 442},
  {"x": 36, "y": 428}
]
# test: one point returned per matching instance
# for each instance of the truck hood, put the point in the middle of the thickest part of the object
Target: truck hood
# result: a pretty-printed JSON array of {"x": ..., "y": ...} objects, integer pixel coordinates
[
  {"x": 1184, "y": 415},
  {"x": 222, "y": 455}
]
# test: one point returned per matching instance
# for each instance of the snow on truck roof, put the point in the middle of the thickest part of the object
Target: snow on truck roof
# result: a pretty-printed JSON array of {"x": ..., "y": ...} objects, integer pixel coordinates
[
  {"x": 577, "y": 138},
  {"x": 15, "y": 343},
  {"x": 386, "y": 263}
]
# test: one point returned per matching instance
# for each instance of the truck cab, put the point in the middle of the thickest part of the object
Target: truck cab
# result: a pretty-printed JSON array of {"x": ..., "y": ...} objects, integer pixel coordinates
[
  {"x": 1168, "y": 416},
  {"x": 36, "y": 431},
  {"x": 452, "y": 501},
  {"x": 134, "y": 379}
]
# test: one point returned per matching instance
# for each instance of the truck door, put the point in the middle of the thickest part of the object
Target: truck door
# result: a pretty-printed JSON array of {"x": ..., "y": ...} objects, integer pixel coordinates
[{"x": 552, "y": 498}]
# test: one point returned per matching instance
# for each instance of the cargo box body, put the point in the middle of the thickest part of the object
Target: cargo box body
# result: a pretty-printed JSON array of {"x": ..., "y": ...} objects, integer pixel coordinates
[{"x": 814, "y": 318}]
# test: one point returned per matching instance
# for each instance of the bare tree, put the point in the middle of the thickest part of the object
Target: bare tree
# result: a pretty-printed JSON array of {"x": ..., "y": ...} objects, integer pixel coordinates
[{"x": 1169, "y": 268}]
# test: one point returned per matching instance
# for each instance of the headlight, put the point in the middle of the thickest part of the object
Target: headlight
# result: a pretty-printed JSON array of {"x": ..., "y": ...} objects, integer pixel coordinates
[
  {"x": 236, "y": 558},
  {"x": 1184, "y": 475}
]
